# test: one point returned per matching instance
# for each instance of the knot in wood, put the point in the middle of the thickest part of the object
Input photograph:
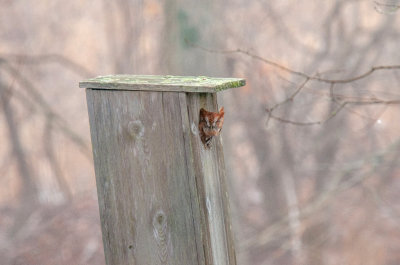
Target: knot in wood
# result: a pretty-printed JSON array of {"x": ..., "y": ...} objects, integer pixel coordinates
[
  {"x": 159, "y": 220},
  {"x": 161, "y": 235},
  {"x": 135, "y": 129}
]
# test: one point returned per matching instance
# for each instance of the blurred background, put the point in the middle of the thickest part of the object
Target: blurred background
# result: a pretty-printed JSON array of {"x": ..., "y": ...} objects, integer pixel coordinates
[{"x": 311, "y": 142}]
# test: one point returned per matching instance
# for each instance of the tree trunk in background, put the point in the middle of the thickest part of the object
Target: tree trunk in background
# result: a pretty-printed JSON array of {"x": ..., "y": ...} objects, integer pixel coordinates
[
  {"x": 188, "y": 24},
  {"x": 123, "y": 26},
  {"x": 28, "y": 191},
  {"x": 196, "y": 23}
]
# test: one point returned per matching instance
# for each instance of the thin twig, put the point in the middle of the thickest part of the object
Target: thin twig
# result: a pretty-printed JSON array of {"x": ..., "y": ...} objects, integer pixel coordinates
[
  {"x": 335, "y": 112},
  {"x": 298, "y": 123},
  {"x": 289, "y": 99}
]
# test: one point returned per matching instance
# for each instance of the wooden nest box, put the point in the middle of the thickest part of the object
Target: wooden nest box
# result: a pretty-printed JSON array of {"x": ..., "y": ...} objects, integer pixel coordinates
[{"x": 162, "y": 195}]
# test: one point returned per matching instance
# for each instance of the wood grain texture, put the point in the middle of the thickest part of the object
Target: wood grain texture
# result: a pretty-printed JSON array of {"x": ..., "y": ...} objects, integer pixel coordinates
[
  {"x": 192, "y": 84},
  {"x": 162, "y": 195}
]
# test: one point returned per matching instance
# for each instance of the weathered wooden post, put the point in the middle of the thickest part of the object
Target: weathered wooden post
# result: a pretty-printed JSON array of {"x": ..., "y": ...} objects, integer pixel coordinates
[{"x": 162, "y": 195}]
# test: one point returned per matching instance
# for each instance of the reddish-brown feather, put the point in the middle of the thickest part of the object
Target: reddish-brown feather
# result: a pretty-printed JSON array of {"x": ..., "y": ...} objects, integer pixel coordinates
[{"x": 210, "y": 125}]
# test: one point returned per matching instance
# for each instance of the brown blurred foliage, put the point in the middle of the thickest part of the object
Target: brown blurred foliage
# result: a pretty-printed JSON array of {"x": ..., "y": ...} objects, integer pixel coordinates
[{"x": 313, "y": 165}]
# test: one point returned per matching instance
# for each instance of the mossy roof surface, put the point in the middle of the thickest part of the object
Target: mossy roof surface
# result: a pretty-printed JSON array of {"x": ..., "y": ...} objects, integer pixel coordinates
[{"x": 162, "y": 83}]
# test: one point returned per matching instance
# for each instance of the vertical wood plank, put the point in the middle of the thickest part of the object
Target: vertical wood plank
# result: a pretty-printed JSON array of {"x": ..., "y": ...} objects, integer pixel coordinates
[
  {"x": 196, "y": 188},
  {"x": 210, "y": 176},
  {"x": 142, "y": 177}
]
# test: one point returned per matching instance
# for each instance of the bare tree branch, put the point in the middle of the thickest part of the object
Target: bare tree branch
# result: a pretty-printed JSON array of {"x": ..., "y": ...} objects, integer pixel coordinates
[
  {"x": 48, "y": 58},
  {"x": 332, "y": 82},
  {"x": 46, "y": 108},
  {"x": 295, "y": 72},
  {"x": 391, "y": 8}
]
